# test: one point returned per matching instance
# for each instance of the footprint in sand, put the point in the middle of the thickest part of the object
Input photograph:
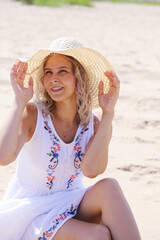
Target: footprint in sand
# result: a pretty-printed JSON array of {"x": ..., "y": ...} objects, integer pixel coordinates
[
  {"x": 148, "y": 104},
  {"x": 140, "y": 170},
  {"x": 149, "y": 123}
]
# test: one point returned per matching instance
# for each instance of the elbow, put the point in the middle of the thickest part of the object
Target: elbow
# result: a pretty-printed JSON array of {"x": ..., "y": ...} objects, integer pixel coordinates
[
  {"x": 88, "y": 172},
  {"x": 2, "y": 162},
  {"x": 5, "y": 161},
  {"x": 93, "y": 174},
  {"x": 93, "y": 171},
  {"x": 90, "y": 175}
]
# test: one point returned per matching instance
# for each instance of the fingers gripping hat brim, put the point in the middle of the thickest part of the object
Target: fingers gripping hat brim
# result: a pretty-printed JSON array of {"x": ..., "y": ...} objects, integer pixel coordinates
[{"x": 93, "y": 62}]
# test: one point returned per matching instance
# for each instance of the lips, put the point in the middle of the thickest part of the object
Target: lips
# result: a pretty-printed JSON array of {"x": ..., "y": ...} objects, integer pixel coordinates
[{"x": 56, "y": 89}]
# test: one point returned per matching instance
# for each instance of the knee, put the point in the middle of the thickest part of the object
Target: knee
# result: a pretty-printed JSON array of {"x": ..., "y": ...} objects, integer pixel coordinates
[
  {"x": 109, "y": 185},
  {"x": 101, "y": 232}
]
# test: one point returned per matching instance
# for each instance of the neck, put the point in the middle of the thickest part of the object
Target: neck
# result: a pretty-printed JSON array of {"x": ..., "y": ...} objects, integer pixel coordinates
[{"x": 65, "y": 112}]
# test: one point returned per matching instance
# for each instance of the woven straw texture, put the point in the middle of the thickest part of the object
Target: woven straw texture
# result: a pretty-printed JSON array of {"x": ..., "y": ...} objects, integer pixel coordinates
[{"x": 92, "y": 61}]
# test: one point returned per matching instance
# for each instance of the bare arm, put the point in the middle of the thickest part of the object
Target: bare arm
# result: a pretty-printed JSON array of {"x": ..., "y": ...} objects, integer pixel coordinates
[
  {"x": 96, "y": 157},
  {"x": 9, "y": 134},
  {"x": 15, "y": 131}
]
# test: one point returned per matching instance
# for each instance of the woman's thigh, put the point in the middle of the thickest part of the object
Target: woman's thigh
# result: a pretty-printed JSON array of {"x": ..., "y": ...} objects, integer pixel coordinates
[
  {"x": 87, "y": 223},
  {"x": 90, "y": 208},
  {"x": 75, "y": 229}
]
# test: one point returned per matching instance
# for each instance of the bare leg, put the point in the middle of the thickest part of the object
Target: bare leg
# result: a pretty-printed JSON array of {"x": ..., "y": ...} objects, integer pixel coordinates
[
  {"x": 106, "y": 198},
  {"x": 75, "y": 229},
  {"x": 117, "y": 215}
]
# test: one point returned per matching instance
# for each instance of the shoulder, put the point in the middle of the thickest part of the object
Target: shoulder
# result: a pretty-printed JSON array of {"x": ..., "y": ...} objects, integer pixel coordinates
[
  {"x": 31, "y": 109},
  {"x": 30, "y": 116}
]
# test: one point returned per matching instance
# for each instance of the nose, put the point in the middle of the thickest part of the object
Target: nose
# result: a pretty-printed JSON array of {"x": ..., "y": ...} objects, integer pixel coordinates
[{"x": 55, "y": 78}]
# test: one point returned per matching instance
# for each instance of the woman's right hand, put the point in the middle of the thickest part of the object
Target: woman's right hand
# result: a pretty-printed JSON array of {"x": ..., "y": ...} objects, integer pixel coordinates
[{"x": 18, "y": 71}]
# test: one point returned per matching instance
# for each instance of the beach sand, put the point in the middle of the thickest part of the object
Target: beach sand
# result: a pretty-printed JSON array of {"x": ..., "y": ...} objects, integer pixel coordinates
[{"x": 128, "y": 36}]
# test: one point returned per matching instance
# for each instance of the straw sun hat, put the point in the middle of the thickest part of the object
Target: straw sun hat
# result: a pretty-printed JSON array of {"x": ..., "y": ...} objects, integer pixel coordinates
[{"x": 93, "y": 62}]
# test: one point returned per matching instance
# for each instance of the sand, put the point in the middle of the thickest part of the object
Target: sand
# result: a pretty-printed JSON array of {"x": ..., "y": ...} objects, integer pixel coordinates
[{"x": 128, "y": 36}]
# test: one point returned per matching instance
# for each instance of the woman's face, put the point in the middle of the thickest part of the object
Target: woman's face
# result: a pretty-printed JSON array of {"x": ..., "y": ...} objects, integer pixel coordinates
[{"x": 59, "y": 79}]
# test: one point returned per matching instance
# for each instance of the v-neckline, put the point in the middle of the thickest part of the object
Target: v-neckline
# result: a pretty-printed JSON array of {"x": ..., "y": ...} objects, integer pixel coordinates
[{"x": 76, "y": 135}]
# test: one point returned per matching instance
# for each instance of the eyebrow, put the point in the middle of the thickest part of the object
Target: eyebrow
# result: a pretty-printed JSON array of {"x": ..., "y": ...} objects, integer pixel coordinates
[{"x": 57, "y": 68}]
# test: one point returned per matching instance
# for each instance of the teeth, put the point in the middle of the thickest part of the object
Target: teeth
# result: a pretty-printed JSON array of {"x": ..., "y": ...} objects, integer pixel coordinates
[{"x": 57, "y": 88}]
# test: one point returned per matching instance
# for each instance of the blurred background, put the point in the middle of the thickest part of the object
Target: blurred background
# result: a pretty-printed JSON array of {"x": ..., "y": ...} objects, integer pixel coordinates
[{"x": 127, "y": 33}]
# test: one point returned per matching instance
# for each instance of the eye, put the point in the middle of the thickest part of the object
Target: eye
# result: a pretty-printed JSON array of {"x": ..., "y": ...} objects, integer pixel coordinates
[
  {"x": 47, "y": 72},
  {"x": 62, "y": 71}
]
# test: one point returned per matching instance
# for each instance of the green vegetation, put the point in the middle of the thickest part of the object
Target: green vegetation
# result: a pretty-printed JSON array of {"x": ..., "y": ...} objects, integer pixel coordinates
[
  {"x": 136, "y": 2},
  {"x": 54, "y": 3}
]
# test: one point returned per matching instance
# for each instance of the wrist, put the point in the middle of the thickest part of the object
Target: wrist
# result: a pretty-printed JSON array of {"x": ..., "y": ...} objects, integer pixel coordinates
[
  {"x": 108, "y": 114},
  {"x": 19, "y": 103}
]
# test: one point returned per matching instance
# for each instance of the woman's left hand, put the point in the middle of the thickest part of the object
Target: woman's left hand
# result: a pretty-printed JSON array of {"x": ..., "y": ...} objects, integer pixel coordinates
[{"x": 108, "y": 101}]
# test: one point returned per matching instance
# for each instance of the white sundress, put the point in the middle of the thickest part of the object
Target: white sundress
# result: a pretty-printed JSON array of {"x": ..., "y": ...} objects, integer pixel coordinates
[{"x": 47, "y": 187}]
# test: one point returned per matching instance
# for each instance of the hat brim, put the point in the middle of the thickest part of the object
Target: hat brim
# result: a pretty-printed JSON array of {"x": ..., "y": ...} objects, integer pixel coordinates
[{"x": 93, "y": 62}]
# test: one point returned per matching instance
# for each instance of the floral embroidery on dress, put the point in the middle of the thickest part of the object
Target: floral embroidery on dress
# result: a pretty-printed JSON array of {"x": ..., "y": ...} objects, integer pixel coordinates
[
  {"x": 78, "y": 156},
  {"x": 61, "y": 217},
  {"x": 69, "y": 183},
  {"x": 53, "y": 154},
  {"x": 54, "y": 159}
]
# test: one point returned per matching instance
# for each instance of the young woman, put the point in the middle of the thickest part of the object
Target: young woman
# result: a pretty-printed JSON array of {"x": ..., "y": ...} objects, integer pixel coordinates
[{"x": 57, "y": 140}]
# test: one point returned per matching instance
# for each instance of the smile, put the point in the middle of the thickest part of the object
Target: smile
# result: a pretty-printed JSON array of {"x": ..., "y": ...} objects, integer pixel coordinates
[{"x": 56, "y": 89}]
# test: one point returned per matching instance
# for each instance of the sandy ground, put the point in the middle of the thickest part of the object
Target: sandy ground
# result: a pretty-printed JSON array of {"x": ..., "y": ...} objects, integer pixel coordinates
[{"x": 128, "y": 36}]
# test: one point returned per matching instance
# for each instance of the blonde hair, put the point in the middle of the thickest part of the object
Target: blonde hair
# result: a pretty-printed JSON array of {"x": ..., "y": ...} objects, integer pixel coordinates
[{"x": 83, "y": 103}]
